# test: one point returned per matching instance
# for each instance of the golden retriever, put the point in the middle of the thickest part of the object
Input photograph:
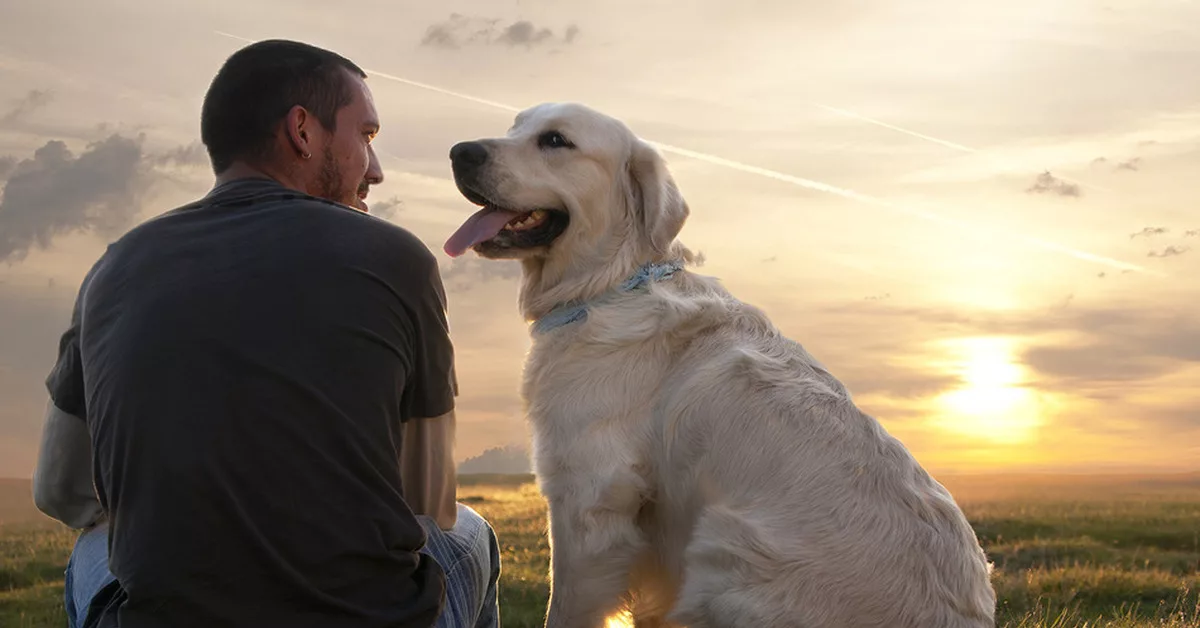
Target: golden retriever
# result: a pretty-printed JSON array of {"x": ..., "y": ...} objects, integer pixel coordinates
[{"x": 701, "y": 468}]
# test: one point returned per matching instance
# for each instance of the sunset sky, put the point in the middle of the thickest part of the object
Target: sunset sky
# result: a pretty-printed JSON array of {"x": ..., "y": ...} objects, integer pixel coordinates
[{"x": 984, "y": 217}]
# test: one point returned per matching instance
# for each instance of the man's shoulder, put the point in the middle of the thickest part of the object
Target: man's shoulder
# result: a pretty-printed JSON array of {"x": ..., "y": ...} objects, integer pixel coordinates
[
  {"x": 292, "y": 226},
  {"x": 376, "y": 242},
  {"x": 337, "y": 221},
  {"x": 412, "y": 248}
]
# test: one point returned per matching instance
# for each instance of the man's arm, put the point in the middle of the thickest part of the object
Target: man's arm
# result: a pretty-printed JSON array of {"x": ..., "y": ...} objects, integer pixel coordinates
[
  {"x": 62, "y": 481},
  {"x": 428, "y": 474},
  {"x": 427, "y": 468}
]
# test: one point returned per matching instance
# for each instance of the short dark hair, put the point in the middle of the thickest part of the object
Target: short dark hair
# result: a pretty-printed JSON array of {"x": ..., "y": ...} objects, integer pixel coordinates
[{"x": 258, "y": 85}]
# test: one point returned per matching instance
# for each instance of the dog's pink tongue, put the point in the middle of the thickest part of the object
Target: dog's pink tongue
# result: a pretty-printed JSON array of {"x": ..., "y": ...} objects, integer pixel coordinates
[{"x": 482, "y": 225}]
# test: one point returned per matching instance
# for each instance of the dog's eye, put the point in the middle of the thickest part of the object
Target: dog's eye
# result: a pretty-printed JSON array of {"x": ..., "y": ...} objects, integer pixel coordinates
[{"x": 553, "y": 139}]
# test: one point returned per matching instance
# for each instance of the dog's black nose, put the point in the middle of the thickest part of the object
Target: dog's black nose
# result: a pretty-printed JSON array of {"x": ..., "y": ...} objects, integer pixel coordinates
[{"x": 468, "y": 154}]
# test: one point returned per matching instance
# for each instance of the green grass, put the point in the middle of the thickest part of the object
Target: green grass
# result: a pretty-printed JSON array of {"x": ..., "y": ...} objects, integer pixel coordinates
[
  {"x": 1128, "y": 556},
  {"x": 1072, "y": 553},
  {"x": 32, "y": 559}
]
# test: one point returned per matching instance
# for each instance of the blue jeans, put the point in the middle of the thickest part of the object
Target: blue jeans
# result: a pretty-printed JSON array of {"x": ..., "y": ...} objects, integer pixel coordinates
[{"x": 468, "y": 553}]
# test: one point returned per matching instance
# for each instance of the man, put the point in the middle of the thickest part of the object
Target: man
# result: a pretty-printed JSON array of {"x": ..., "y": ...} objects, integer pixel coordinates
[{"x": 260, "y": 385}]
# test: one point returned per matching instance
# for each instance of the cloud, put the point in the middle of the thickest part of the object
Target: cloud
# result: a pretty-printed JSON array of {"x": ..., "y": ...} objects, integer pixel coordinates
[
  {"x": 524, "y": 33},
  {"x": 1170, "y": 251},
  {"x": 464, "y": 273},
  {"x": 1149, "y": 231},
  {"x": 1132, "y": 164},
  {"x": 447, "y": 34},
  {"x": 55, "y": 193},
  {"x": 1048, "y": 183},
  {"x": 892, "y": 359},
  {"x": 893, "y": 381},
  {"x": 1118, "y": 346},
  {"x": 387, "y": 209},
  {"x": 1091, "y": 363},
  {"x": 439, "y": 36},
  {"x": 460, "y": 30},
  {"x": 1177, "y": 420},
  {"x": 190, "y": 155},
  {"x": 32, "y": 101},
  {"x": 1067, "y": 348},
  {"x": 100, "y": 191}
]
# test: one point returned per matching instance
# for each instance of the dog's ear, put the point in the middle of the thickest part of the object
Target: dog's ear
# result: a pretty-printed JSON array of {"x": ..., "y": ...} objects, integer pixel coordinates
[{"x": 657, "y": 201}]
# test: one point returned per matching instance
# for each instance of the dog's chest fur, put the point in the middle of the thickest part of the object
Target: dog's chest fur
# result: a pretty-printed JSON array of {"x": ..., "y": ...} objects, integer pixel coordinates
[
  {"x": 591, "y": 388},
  {"x": 584, "y": 397},
  {"x": 595, "y": 437}
]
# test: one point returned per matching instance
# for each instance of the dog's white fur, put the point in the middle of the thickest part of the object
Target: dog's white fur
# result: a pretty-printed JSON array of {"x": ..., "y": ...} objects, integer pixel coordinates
[{"x": 699, "y": 465}]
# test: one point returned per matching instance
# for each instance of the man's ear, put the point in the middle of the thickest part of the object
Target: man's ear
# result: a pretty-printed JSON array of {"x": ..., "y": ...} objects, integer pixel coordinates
[
  {"x": 297, "y": 125},
  {"x": 657, "y": 202}
]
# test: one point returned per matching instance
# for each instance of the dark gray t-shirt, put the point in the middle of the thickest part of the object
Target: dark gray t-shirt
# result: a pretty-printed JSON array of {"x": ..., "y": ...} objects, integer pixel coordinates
[{"x": 244, "y": 364}]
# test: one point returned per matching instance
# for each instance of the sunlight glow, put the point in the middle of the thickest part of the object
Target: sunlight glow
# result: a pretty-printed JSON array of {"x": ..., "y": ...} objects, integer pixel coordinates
[
  {"x": 992, "y": 403},
  {"x": 620, "y": 620}
]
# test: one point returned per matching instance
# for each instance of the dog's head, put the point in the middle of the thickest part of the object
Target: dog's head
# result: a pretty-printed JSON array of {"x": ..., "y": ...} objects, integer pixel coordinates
[{"x": 567, "y": 186}]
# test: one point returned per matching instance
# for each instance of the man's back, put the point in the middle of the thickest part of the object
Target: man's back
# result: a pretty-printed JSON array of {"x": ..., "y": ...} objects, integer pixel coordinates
[{"x": 246, "y": 364}]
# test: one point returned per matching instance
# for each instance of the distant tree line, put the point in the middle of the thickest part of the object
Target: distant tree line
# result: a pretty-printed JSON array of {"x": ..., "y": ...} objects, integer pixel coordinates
[{"x": 507, "y": 459}]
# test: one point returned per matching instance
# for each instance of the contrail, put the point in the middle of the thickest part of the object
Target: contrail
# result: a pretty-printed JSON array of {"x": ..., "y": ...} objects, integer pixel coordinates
[
  {"x": 928, "y": 138},
  {"x": 482, "y": 101},
  {"x": 935, "y": 140},
  {"x": 925, "y": 215},
  {"x": 413, "y": 83},
  {"x": 232, "y": 36},
  {"x": 801, "y": 182}
]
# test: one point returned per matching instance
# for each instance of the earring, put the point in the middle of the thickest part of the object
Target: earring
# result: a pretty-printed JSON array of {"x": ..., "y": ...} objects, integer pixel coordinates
[{"x": 307, "y": 155}]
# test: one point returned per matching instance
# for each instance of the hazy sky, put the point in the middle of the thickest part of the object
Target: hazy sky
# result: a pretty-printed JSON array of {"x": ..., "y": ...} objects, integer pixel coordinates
[{"x": 983, "y": 216}]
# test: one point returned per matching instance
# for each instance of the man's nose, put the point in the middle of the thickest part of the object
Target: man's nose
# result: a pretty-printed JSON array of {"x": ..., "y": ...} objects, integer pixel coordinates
[{"x": 374, "y": 170}]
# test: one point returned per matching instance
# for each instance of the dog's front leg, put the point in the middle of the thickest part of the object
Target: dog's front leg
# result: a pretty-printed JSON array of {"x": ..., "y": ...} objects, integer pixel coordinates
[{"x": 594, "y": 541}]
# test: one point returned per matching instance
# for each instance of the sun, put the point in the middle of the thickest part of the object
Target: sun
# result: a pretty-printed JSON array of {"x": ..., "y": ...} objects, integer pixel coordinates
[{"x": 992, "y": 403}]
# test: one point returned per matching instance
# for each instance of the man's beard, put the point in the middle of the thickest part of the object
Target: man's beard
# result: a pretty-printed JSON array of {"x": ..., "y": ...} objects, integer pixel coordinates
[{"x": 330, "y": 181}]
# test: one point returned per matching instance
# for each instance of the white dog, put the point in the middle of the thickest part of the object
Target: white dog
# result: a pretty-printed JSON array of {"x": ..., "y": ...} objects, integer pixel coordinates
[{"x": 700, "y": 467}]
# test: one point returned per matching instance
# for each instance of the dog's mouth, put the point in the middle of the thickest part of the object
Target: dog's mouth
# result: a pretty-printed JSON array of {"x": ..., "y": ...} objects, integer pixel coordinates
[{"x": 494, "y": 229}]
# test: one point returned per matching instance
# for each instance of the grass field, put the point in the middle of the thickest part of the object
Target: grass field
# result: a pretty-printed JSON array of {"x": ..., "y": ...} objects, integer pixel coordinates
[{"x": 1070, "y": 552}]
